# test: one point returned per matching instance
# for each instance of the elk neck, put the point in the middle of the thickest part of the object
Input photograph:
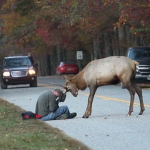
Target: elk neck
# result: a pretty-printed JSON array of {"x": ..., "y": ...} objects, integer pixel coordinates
[{"x": 79, "y": 81}]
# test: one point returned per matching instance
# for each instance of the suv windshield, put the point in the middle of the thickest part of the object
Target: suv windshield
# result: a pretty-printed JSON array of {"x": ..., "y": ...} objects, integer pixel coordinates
[
  {"x": 140, "y": 54},
  {"x": 16, "y": 62}
]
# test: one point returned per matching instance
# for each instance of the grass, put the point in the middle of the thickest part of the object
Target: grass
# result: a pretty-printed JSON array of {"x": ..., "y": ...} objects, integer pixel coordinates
[{"x": 32, "y": 134}]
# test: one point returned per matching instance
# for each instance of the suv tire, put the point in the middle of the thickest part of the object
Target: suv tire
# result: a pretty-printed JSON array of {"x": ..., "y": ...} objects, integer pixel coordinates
[
  {"x": 33, "y": 84},
  {"x": 3, "y": 85}
]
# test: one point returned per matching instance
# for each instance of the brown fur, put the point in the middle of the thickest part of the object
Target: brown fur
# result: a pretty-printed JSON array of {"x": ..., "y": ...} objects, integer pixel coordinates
[{"x": 107, "y": 71}]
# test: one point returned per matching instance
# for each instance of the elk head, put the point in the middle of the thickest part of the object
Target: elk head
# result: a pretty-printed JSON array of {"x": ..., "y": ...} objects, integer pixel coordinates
[{"x": 71, "y": 86}]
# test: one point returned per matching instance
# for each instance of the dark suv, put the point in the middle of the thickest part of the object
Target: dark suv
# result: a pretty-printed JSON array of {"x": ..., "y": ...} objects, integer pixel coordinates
[
  {"x": 141, "y": 55},
  {"x": 18, "y": 70}
]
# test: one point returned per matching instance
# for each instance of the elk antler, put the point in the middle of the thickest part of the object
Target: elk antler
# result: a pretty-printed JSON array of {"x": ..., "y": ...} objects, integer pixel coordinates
[{"x": 65, "y": 87}]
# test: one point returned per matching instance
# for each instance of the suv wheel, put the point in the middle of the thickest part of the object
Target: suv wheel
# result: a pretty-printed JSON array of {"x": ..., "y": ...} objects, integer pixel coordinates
[
  {"x": 33, "y": 84},
  {"x": 3, "y": 85}
]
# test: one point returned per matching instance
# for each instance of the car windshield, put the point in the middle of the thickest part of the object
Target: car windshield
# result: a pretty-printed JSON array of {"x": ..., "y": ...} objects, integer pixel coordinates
[
  {"x": 140, "y": 54},
  {"x": 67, "y": 62},
  {"x": 16, "y": 62}
]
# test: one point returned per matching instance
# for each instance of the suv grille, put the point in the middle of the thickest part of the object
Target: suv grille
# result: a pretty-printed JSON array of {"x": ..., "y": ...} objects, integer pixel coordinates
[
  {"x": 19, "y": 73},
  {"x": 144, "y": 69}
]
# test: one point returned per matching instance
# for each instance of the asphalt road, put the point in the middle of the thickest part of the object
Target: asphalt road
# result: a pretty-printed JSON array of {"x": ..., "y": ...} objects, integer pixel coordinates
[{"x": 108, "y": 128}]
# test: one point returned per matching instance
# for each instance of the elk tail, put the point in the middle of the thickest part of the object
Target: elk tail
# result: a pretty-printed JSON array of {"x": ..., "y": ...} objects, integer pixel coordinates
[{"x": 137, "y": 63}]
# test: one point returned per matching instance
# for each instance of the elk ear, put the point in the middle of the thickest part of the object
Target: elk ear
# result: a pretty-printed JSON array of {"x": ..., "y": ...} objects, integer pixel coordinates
[{"x": 66, "y": 78}]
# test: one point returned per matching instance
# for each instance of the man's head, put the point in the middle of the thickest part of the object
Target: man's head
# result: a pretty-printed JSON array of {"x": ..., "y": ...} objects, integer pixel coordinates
[{"x": 59, "y": 93}]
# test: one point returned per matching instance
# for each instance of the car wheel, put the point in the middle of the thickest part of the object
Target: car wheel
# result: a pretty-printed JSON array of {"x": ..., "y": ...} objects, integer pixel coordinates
[
  {"x": 123, "y": 86},
  {"x": 33, "y": 84},
  {"x": 3, "y": 85}
]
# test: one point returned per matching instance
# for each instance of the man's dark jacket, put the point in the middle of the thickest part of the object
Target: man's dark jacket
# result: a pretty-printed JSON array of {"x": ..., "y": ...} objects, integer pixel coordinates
[{"x": 46, "y": 103}]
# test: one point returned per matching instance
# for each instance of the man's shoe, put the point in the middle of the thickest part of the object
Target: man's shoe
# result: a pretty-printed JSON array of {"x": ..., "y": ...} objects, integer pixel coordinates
[
  {"x": 72, "y": 115},
  {"x": 62, "y": 117}
]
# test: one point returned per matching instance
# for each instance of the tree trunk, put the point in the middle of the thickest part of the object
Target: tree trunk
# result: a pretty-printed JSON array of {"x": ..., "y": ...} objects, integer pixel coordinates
[
  {"x": 116, "y": 50},
  {"x": 43, "y": 66},
  {"x": 122, "y": 40},
  {"x": 58, "y": 49},
  {"x": 108, "y": 49},
  {"x": 136, "y": 40},
  {"x": 128, "y": 36},
  {"x": 49, "y": 65},
  {"x": 95, "y": 51},
  {"x": 53, "y": 60},
  {"x": 96, "y": 48}
]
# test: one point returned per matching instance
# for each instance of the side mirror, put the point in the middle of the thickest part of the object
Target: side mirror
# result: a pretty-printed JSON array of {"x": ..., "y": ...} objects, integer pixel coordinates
[{"x": 36, "y": 64}]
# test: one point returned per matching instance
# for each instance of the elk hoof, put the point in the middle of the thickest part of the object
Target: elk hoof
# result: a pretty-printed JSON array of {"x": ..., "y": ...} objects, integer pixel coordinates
[
  {"x": 129, "y": 114},
  {"x": 85, "y": 117},
  {"x": 140, "y": 113}
]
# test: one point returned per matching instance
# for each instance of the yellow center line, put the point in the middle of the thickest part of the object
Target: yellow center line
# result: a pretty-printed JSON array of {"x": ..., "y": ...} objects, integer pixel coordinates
[
  {"x": 103, "y": 97},
  {"x": 46, "y": 85}
]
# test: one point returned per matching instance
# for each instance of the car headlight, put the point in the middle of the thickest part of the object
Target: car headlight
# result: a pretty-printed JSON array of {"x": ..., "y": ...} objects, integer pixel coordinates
[
  {"x": 6, "y": 74},
  {"x": 31, "y": 71},
  {"x": 137, "y": 68}
]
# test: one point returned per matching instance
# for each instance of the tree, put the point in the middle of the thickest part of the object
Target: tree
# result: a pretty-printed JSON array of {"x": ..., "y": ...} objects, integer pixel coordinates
[
  {"x": 99, "y": 27},
  {"x": 136, "y": 15}
]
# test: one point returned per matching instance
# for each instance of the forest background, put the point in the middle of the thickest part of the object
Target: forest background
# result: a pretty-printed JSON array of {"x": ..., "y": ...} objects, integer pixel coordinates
[{"x": 54, "y": 30}]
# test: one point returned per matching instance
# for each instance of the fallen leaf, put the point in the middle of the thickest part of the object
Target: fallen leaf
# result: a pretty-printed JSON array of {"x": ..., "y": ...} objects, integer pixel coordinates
[
  {"x": 28, "y": 141},
  {"x": 105, "y": 118},
  {"x": 86, "y": 135}
]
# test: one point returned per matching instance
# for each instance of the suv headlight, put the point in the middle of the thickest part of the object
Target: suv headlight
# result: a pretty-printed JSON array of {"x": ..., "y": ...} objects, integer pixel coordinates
[
  {"x": 6, "y": 74},
  {"x": 137, "y": 68},
  {"x": 31, "y": 71}
]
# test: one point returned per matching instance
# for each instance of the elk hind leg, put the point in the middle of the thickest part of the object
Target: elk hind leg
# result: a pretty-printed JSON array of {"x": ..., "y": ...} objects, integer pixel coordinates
[
  {"x": 139, "y": 92},
  {"x": 131, "y": 90}
]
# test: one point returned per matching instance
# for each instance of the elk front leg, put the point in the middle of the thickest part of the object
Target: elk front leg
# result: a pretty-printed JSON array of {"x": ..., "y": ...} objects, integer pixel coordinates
[
  {"x": 132, "y": 94},
  {"x": 90, "y": 101}
]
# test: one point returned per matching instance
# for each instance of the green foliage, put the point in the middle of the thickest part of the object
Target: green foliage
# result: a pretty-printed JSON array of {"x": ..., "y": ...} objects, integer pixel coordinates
[{"x": 136, "y": 30}]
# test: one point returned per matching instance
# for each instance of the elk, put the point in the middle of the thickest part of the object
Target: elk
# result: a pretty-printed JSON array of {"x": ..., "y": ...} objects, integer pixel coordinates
[{"x": 107, "y": 71}]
